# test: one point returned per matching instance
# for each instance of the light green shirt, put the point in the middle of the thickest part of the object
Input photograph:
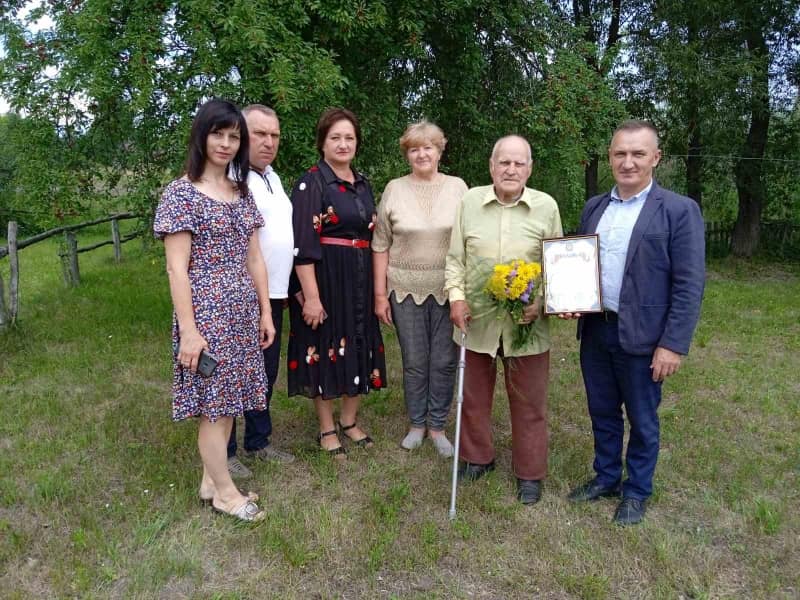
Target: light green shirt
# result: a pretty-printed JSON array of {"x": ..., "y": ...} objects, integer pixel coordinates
[{"x": 486, "y": 233}]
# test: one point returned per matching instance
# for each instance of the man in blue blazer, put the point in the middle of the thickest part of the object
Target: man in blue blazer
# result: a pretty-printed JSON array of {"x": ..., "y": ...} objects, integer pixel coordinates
[{"x": 652, "y": 264}]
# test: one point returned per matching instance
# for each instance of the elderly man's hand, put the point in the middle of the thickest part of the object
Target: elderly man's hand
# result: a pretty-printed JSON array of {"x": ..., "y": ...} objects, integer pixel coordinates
[
  {"x": 459, "y": 314},
  {"x": 531, "y": 312}
]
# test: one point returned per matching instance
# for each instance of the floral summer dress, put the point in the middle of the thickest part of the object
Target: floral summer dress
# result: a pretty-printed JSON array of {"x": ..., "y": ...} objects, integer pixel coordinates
[
  {"x": 224, "y": 300},
  {"x": 344, "y": 355}
]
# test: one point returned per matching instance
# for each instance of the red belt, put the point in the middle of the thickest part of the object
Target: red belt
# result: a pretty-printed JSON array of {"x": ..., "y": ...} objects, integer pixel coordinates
[{"x": 334, "y": 241}]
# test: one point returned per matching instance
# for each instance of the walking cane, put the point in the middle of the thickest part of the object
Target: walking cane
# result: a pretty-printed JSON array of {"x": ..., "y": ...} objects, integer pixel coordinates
[{"x": 462, "y": 363}]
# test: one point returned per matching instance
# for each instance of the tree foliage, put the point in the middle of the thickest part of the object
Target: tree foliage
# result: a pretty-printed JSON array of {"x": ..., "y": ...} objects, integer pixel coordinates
[
  {"x": 713, "y": 74},
  {"x": 112, "y": 86}
]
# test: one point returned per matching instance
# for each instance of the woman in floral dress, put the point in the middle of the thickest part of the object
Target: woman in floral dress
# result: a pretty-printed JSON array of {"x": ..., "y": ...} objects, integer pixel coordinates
[
  {"x": 335, "y": 347},
  {"x": 219, "y": 289}
]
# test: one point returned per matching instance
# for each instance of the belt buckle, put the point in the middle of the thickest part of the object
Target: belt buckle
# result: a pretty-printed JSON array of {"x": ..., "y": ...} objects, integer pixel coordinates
[{"x": 354, "y": 243}]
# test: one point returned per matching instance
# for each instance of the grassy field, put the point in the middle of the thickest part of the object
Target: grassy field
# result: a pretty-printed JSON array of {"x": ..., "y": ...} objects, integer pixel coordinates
[{"x": 98, "y": 487}]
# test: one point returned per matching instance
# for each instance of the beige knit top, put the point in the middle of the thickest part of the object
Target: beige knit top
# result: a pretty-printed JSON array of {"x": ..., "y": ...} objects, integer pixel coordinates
[{"x": 414, "y": 223}]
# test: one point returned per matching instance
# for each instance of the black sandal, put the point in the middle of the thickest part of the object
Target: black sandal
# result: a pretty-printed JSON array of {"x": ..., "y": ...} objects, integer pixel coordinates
[
  {"x": 365, "y": 442},
  {"x": 335, "y": 452}
]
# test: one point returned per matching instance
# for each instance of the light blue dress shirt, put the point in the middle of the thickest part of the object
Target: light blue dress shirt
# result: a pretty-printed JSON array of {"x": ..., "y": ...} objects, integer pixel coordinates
[{"x": 615, "y": 229}]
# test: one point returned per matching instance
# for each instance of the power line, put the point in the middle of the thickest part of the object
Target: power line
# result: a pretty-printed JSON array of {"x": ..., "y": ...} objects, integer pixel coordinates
[{"x": 731, "y": 157}]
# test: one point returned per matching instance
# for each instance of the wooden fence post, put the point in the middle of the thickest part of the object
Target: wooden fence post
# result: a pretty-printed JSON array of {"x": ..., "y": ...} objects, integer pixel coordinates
[
  {"x": 3, "y": 314},
  {"x": 13, "y": 283},
  {"x": 115, "y": 238},
  {"x": 72, "y": 274}
]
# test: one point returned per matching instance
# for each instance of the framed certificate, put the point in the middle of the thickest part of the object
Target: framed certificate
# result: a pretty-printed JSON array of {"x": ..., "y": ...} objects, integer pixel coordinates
[{"x": 571, "y": 271}]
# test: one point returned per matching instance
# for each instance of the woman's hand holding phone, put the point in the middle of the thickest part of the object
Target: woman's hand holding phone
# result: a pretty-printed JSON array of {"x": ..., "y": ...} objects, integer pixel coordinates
[{"x": 191, "y": 344}]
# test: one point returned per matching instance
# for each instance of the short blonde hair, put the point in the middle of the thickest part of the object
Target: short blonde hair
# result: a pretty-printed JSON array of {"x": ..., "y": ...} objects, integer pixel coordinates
[{"x": 417, "y": 134}]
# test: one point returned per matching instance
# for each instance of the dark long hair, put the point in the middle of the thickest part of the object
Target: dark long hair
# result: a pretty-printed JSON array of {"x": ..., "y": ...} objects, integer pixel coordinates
[{"x": 215, "y": 115}]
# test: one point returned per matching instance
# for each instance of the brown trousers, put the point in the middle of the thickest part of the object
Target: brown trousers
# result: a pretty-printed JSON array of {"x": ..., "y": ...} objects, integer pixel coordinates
[{"x": 526, "y": 385}]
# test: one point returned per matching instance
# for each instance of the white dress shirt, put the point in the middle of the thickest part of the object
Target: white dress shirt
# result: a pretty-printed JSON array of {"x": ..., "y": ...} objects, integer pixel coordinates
[
  {"x": 615, "y": 229},
  {"x": 276, "y": 238}
]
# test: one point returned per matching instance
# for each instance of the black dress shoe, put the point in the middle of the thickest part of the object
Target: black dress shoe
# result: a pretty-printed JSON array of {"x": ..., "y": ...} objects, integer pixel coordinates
[
  {"x": 591, "y": 490},
  {"x": 529, "y": 491},
  {"x": 629, "y": 512},
  {"x": 470, "y": 471}
]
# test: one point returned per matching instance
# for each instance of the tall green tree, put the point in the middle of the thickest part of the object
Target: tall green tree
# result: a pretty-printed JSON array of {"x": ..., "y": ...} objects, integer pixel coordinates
[
  {"x": 713, "y": 84},
  {"x": 598, "y": 33},
  {"x": 124, "y": 78}
]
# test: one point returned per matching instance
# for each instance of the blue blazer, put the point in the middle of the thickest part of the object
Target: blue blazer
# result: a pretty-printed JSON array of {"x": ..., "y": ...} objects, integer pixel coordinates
[{"x": 662, "y": 286}]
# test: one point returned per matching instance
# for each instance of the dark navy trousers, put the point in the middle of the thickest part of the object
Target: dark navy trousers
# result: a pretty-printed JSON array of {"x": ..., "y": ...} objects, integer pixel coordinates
[
  {"x": 258, "y": 423},
  {"x": 613, "y": 379}
]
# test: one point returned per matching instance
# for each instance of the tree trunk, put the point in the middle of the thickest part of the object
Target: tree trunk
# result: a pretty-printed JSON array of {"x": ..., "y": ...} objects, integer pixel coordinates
[
  {"x": 749, "y": 169},
  {"x": 582, "y": 17},
  {"x": 747, "y": 231},
  {"x": 694, "y": 167},
  {"x": 694, "y": 159},
  {"x": 590, "y": 176}
]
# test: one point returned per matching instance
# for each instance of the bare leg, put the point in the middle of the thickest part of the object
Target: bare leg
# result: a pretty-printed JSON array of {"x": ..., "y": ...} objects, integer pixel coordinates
[
  {"x": 212, "y": 441},
  {"x": 206, "y": 485},
  {"x": 350, "y": 406},
  {"x": 325, "y": 416}
]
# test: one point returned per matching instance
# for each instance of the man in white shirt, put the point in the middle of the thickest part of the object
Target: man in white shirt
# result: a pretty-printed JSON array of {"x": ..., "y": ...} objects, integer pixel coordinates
[{"x": 277, "y": 247}]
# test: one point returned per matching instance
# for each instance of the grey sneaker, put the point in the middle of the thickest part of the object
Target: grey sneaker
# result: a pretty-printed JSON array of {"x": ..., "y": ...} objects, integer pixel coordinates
[
  {"x": 413, "y": 439},
  {"x": 443, "y": 446},
  {"x": 237, "y": 469},
  {"x": 271, "y": 453}
]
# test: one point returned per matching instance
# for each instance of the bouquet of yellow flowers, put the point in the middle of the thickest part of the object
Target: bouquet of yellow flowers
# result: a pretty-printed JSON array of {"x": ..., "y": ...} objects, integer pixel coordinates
[{"x": 512, "y": 286}]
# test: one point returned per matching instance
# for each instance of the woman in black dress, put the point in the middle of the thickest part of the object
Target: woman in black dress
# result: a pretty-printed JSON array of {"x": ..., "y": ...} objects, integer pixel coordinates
[{"x": 335, "y": 346}]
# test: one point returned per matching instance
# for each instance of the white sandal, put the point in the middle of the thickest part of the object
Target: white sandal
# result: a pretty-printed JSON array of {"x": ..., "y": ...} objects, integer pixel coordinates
[
  {"x": 252, "y": 496},
  {"x": 248, "y": 511}
]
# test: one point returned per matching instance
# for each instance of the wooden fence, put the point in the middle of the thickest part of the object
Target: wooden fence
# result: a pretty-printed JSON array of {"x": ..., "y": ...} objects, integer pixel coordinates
[
  {"x": 68, "y": 256},
  {"x": 718, "y": 239},
  {"x": 778, "y": 239}
]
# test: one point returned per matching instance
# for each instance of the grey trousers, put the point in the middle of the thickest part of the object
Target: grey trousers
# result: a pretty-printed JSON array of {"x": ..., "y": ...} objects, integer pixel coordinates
[{"x": 429, "y": 359}]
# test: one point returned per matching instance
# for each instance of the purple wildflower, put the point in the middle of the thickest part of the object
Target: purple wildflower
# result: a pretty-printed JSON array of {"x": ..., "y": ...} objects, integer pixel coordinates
[{"x": 526, "y": 295}]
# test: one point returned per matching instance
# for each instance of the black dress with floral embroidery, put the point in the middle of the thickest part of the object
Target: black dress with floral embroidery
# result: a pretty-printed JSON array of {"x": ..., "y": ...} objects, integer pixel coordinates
[{"x": 344, "y": 355}]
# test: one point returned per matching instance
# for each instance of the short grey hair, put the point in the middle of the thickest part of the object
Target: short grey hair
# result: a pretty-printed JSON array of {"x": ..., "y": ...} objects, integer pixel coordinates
[
  {"x": 259, "y": 108},
  {"x": 506, "y": 138}
]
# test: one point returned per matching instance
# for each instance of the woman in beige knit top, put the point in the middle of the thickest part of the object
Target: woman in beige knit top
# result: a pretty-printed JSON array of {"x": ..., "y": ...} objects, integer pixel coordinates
[{"x": 415, "y": 217}]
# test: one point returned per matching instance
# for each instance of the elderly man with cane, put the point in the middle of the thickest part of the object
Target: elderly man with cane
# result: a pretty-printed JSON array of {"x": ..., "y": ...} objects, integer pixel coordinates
[{"x": 496, "y": 224}]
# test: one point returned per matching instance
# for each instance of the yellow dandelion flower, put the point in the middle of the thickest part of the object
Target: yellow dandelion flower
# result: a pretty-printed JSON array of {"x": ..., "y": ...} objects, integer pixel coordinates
[
  {"x": 496, "y": 285},
  {"x": 516, "y": 288}
]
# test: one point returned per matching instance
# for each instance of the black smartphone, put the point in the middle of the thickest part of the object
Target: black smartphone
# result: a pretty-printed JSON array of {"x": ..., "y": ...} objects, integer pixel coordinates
[{"x": 206, "y": 363}]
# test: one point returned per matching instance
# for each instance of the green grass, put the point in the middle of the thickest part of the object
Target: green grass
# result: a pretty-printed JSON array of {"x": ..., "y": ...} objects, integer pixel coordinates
[{"x": 98, "y": 487}]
